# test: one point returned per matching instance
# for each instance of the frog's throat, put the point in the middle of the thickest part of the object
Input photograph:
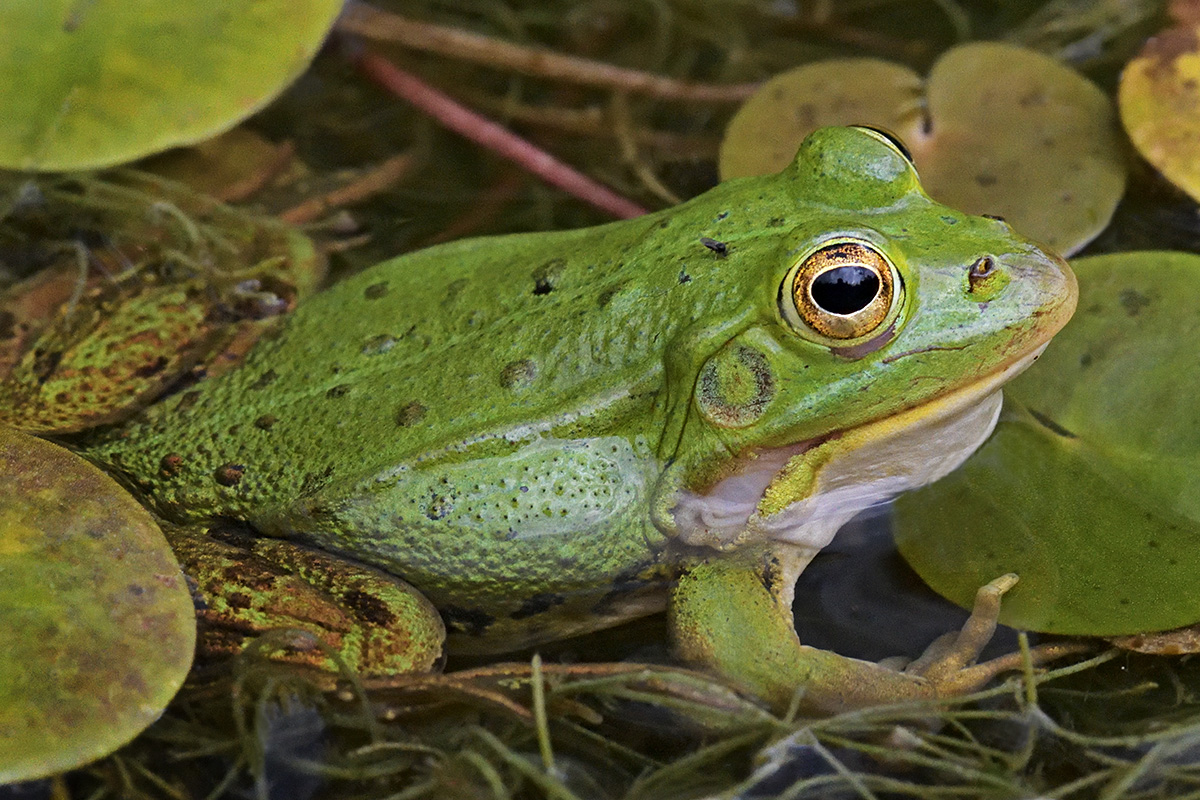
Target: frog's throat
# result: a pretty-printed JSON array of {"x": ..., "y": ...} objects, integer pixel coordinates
[{"x": 801, "y": 494}]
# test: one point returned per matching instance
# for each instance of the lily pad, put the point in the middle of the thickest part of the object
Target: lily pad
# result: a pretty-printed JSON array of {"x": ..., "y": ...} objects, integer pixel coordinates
[
  {"x": 996, "y": 129},
  {"x": 1159, "y": 98},
  {"x": 91, "y": 84},
  {"x": 1089, "y": 489},
  {"x": 98, "y": 622}
]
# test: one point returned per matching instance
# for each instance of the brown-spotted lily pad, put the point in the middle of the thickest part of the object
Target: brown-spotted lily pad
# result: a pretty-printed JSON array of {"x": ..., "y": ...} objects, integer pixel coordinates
[
  {"x": 140, "y": 282},
  {"x": 1089, "y": 489},
  {"x": 97, "y": 619},
  {"x": 1159, "y": 98},
  {"x": 92, "y": 84},
  {"x": 995, "y": 129}
]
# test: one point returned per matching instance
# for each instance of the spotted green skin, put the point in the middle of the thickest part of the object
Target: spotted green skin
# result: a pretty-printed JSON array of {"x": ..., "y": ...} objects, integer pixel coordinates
[{"x": 508, "y": 423}]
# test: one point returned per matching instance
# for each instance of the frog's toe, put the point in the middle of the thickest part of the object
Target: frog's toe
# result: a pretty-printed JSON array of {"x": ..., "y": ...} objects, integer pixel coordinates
[{"x": 948, "y": 664}]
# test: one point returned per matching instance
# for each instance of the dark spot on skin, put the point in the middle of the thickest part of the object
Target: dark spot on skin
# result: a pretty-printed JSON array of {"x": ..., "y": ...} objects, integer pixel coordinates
[
  {"x": 605, "y": 297},
  {"x": 1051, "y": 425},
  {"x": 170, "y": 465},
  {"x": 1153, "y": 545},
  {"x": 229, "y": 474},
  {"x": 684, "y": 277},
  {"x": 720, "y": 248},
  {"x": 1133, "y": 301},
  {"x": 472, "y": 621},
  {"x": 985, "y": 179},
  {"x": 313, "y": 483},
  {"x": 376, "y": 290},
  {"x": 666, "y": 223},
  {"x": 136, "y": 589},
  {"x": 341, "y": 390},
  {"x": 950, "y": 220},
  {"x": 8, "y": 325},
  {"x": 546, "y": 277},
  {"x": 518, "y": 374},
  {"x": 368, "y": 608},
  {"x": 440, "y": 507},
  {"x": 265, "y": 422},
  {"x": 45, "y": 362},
  {"x": 410, "y": 414},
  {"x": 776, "y": 222},
  {"x": 232, "y": 430},
  {"x": 378, "y": 345},
  {"x": 1124, "y": 601},
  {"x": 722, "y": 215},
  {"x": 1085, "y": 360},
  {"x": 94, "y": 533},
  {"x": 151, "y": 369},
  {"x": 265, "y": 380},
  {"x": 239, "y": 600},
  {"x": 187, "y": 400},
  {"x": 538, "y": 604}
]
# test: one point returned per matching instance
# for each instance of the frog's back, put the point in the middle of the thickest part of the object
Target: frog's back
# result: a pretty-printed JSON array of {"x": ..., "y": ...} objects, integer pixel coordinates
[{"x": 459, "y": 351}]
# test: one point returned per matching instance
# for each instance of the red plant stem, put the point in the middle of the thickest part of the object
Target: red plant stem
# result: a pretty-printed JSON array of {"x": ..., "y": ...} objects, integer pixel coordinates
[{"x": 450, "y": 113}]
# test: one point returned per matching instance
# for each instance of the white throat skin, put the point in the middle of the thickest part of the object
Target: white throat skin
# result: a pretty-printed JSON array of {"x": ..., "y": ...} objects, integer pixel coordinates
[{"x": 903, "y": 452}]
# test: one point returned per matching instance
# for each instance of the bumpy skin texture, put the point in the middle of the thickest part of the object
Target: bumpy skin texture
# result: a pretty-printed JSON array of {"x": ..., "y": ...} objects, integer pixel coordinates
[{"x": 509, "y": 423}]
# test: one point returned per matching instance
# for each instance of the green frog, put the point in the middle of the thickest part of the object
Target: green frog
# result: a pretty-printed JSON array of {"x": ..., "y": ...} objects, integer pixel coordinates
[{"x": 551, "y": 433}]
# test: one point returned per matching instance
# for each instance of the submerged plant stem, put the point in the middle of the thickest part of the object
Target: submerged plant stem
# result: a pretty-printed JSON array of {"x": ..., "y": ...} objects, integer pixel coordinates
[
  {"x": 447, "y": 111},
  {"x": 372, "y": 23}
]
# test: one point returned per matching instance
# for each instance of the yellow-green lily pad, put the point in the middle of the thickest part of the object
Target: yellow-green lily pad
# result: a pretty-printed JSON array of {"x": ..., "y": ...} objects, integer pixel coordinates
[
  {"x": 91, "y": 84},
  {"x": 1089, "y": 489},
  {"x": 97, "y": 621},
  {"x": 1159, "y": 98},
  {"x": 995, "y": 129}
]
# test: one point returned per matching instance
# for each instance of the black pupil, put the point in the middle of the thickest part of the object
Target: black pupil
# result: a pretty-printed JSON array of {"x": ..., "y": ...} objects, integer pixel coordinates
[{"x": 845, "y": 290}]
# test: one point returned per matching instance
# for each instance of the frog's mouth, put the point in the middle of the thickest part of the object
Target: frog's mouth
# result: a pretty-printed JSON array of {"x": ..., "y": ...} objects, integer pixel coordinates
[{"x": 802, "y": 493}]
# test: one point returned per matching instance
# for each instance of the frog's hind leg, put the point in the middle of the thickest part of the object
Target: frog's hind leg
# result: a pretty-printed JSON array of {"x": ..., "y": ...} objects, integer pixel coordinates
[
  {"x": 364, "y": 619},
  {"x": 736, "y": 618}
]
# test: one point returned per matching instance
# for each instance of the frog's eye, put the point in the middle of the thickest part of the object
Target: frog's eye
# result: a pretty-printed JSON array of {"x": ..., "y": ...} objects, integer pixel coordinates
[
  {"x": 890, "y": 139},
  {"x": 843, "y": 290}
]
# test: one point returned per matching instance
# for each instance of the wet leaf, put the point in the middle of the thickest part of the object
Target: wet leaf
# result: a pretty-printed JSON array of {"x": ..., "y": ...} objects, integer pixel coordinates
[
  {"x": 86, "y": 85},
  {"x": 995, "y": 129},
  {"x": 1089, "y": 489},
  {"x": 97, "y": 619},
  {"x": 1159, "y": 98}
]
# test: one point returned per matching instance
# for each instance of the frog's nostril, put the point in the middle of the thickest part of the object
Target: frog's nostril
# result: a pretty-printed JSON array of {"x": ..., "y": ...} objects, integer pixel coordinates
[{"x": 981, "y": 273}]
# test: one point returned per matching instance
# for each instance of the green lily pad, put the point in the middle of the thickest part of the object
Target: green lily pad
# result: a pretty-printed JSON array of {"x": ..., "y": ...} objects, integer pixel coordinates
[
  {"x": 91, "y": 84},
  {"x": 1159, "y": 98},
  {"x": 97, "y": 620},
  {"x": 996, "y": 129},
  {"x": 1089, "y": 489}
]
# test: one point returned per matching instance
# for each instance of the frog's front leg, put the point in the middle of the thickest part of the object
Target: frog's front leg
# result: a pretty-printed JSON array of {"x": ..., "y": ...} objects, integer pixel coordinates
[{"x": 734, "y": 616}]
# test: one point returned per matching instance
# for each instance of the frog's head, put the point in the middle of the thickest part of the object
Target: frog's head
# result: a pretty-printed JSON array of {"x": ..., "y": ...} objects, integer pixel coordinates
[{"x": 881, "y": 331}]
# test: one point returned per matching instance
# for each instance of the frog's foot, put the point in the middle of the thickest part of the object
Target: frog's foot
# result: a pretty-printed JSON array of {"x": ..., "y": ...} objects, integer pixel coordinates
[
  {"x": 736, "y": 620},
  {"x": 351, "y": 616},
  {"x": 948, "y": 664}
]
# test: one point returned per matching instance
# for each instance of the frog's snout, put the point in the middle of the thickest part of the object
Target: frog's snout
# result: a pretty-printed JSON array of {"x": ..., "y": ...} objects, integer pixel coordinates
[{"x": 1061, "y": 292}]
